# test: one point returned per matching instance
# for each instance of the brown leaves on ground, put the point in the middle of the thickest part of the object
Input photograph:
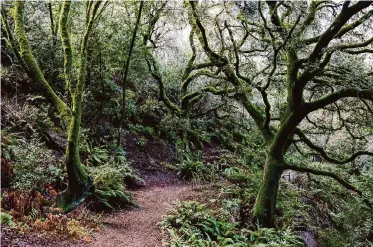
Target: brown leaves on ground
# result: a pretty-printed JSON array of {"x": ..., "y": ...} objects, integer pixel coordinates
[{"x": 33, "y": 213}]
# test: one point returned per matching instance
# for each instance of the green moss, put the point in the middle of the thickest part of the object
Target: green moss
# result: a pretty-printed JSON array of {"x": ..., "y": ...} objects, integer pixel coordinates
[
  {"x": 68, "y": 56},
  {"x": 71, "y": 198},
  {"x": 10, "y": 39},
  {"x": 266, "y": 200},
  {"x": 80, "y": 184},
  {"x": 33, "y": 68}
]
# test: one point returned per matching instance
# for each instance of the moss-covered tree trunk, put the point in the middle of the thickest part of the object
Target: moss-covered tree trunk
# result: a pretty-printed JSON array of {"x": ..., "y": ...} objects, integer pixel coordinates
[
  {"x": 32, "y": 67},
  {"x": 264, "y": 208},
  {"x": 80, "y": 184},
  {"x": 265, "y": 203}
]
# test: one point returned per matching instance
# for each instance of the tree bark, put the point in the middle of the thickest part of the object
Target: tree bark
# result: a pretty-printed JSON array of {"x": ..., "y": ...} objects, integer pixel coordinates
[
  {"x": 33, "y": 69},
  {"x": 80, "y": 184},
  {"x": 125, "y": 73},
  {"x": 264, "y": 208}
]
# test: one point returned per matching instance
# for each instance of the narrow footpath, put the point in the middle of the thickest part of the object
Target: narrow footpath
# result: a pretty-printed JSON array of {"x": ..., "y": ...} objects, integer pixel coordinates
[{"x": 138, "y": 227}]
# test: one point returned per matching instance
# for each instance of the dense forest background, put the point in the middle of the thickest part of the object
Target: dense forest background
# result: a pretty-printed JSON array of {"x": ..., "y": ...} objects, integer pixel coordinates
[{"x": 253, "y": 121}]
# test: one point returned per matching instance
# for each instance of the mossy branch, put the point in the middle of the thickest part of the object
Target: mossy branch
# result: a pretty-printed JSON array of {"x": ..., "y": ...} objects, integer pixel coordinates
[
  {"x": 314, "y": 171},
  {"x": 153, "y": 68},
  {"x": 203, "y": 72},
  {"x": 152, "y": 63},
  {"x": 66, "y": 45},
  {"x": 33, "y": 68},
  {"x": 188, "y": 69},
  {"x": 201, "y": 34},
  {"x": 322, "y": 152},
  {"x": 82, "y": 70},
  {"x": 236, "y": 54},
  {"x": 354, "y": 45},
  {"x": 337, "y": 95},
  {"x": 345, "y": 29},
  {"x": 10, "y": 39},
  {"x": 222, "y": 63},
  {"x": 195, "y": 96},
  {"x": 336, "y": 27},
  {"x": 333, "y": 175}
]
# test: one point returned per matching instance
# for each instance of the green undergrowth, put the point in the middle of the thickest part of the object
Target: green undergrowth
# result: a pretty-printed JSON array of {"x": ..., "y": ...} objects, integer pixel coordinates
[
  {"x": 111, "y": 180},
  {"x": 193, "y": 224},
  {"x": 340, "y": 217},
  {"x": 33, "y": 176},
  {"x": 110, "y": 188},
  {"x": 192, "y": 169},
  {"x": 28, "y": 164},
  {"x": 333, "y": 215},
  {"x": 230, "y": 221}
]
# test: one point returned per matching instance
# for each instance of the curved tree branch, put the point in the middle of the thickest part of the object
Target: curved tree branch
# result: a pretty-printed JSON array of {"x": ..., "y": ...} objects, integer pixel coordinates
[
  {"x": 222, "y": 63},
  {"x": 34, "y": 70},
  {"x": 314, "y": 171},
  {"x": 323, "y": 153},
  {"x": 10, "y": 38},
  {"x": 337, "y": 95},
  {"x": 337, "y": 178}
]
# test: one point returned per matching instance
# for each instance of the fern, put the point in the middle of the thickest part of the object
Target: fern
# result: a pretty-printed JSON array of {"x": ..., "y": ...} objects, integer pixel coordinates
[
  {"x": 191, "y": 169},
  {"x": 110, "y": 189},
  {"x": 270, "y": 237},
  {"x": 192, "y": 224},
  {"x": 236, "y": 175},
  {"x": 6, "y": 219}
]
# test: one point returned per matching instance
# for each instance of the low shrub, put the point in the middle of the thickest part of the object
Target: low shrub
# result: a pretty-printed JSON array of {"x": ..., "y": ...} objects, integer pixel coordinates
[
  {"x": 120, "y": 155},
  {"x": 292, "y": 210},
  {"x": 351, "y": 219},
  {"x": 18, "y": 115},
  {"x": 237, "y": 176},
  {"x": 141, "y": 129},
  {"x": 270, "y": 237},
  {"x": 6, "y": 219},
  {"x": 34, "y": 165},
  {"x": 141, "y": 142},
  {"x": 191, "y": 169},
  {"x": 110, "y": 188},
  {"x": 240, "y": 193},
  {"x": 192, "y": 224},
  {"x": 93, "y": 155}
]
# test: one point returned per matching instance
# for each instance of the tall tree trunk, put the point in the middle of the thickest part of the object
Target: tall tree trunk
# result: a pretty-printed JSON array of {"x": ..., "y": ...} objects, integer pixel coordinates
[
  {"x": 32, "y": 67},
  {"x": 265, "y": 203},
  {"x": 125, "y": 73},
  {"x": 80, "y": 184},
  {"x": 264, "y": 208}
]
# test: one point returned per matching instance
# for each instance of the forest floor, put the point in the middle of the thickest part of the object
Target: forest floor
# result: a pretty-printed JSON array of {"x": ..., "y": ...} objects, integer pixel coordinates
[{"x": 137, "y": 227}]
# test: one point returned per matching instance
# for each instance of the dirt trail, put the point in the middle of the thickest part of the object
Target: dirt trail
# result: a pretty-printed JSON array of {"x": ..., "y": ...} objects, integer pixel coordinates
[{"x": 138, "y": 227}]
